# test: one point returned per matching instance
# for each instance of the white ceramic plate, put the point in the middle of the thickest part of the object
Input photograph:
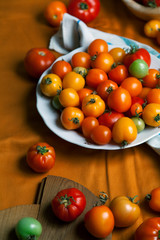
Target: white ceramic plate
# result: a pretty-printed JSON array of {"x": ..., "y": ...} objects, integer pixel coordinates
[{"x": 52, "y": 118}]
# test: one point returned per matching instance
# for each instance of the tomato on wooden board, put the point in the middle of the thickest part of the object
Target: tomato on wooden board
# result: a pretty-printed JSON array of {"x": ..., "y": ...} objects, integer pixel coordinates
[
  {"x": 68, "y": 204},
  {"x": 54, "y": 13},
  {"x": 125, "y": 211},
  {"x": 51, "y": 85},
  {"x": 101, "y": 135},
  {"x": 28, "y": 228},
  {"x": 118, "y": 73},
  {"x": 99, "y": 221},
  {"x": 154, "y": 199},
  {"x": 137, "y": 53},
  {"x": 149, "y": 229},
  {"x": 97, "y": 46},
  {"x": 95, "y": 76},
  {"x": 71, "y": 118},
  {"x": 151, "y": 114},
  {"x": 105, "y": 88},
  {"x": 85, "y": 10},
  {"x": 109, "y": 118},
  {"x": 37, "y": 60},
  {"x": 87, "y": 126},
  {"x": 41, "y": 157},
  {"x": 61, "y": 67}
]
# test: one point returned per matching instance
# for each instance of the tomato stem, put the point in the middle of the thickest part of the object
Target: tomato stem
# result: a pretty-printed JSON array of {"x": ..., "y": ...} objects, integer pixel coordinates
[
  {"x": 66, "y": 200},
  {"x": 124, "y": 143},
  {"x": 92, "y": 100},
  {"x": 103, "y": 197},
  {"x": 157, "y": 118},
  {"x": 42, "y": 150},
  {"x": 148, "y": 197},
  {"x": 32, "y": 237},
  {"x": 159, "y": 234},
  {"x": 83, "y": 6},
  {"x": 132, "y": 199},
  {"x": 74, "y": 120},
  {"x": 48, "y": 81}
]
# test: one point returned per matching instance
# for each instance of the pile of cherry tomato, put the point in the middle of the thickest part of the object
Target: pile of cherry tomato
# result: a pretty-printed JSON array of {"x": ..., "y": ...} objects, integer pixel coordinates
[{"x": 106, "y": 94}]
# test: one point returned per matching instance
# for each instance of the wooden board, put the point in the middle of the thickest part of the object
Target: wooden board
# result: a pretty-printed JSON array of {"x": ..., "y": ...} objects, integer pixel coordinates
[{"x": 53, "y": 228}]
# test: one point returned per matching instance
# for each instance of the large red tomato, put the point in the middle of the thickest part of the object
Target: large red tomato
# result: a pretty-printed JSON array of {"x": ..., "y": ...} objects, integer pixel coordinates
[
  {"x": 37, "y": 60},
  {"x": 68, "y": 204},
  {"x": 134, "y": 54},
  {"x": 85, "y": 10},
  {"x": 41, "y": 157}
]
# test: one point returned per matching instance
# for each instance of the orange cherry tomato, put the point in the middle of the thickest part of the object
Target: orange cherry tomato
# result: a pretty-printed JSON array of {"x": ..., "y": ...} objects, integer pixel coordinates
[
  {"x": 151, "y": 28},
  {"x": 51, "y": 85},
  {"x": 118, "y": 54},
  {"x": 151, "y": 114},
  {"x": 136, "y": 109},
  {"x": 61, "y": 67},
  {"x": 144, "y": 93},
  {"x": 73, "y": 80},
  {"x": 71, "y": 118},
  {"x": 97, "y": 46},
  {"x": 95, "y": 76},
  {"x": 81, "y": 59},
  {"x": 154, "y": 96},
  {"x": 154, "y": 199},
  {"x": 99, "y": 221},
  {"x": 87, "y": 126},
  {"x": 151, "y": 79},
  {"x": 101, "y": 135},
  {"x": 105, "y": 88},
  {"x": 83, "y": 93},
  {"x": 93, "y": 105},
  {"x": 119, "y": 100},
  {"x": 54, "y": 12},
  {"x": 132, "y": 85},
  {"x": 102, "y": 61},
  {"x": 124, "y": 131},
  {"x": 69, "y": 98}
]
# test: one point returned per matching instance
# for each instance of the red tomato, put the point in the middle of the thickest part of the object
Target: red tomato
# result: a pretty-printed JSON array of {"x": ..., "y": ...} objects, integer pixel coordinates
[
  {"x": 137, "y": 99},
  {"x": 105, "y": 88},
  {"x": 135, "y": 54},
  {"x": 87, "y": 126},
  {"x": 95, "y": 76},
  {"x": 85, "y": 10},
  {"x": 61, "y": 68},
  {"x": 41, "y": 157},
  {"x": 68, "y": 204},
  {"x": 151, "y": 79},
  {"x": 54, "y": 12},
  {"x": 37, "y": 60},
  {"x": 97, "y": 46},
  {"x": 154, "y": 199},
  {"x": 119, "y": 100},
  {"x": 101, "y": 135},
  {"x": 109, "y": 118},
  {"x": 81, "y": 59},
  {"x": 149, "y": 229},
  {"x": 118, "y": 73},
  {"x": 99, "y": 221}
]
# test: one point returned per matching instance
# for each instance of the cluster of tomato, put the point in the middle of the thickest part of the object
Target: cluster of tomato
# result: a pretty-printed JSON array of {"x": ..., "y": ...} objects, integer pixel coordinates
[{"x": 107, "y": 94}]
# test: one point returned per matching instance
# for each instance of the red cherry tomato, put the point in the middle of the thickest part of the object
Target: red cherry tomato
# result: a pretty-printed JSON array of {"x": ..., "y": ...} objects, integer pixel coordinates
[
  {"x": 95, "y": 76},
  {"x": 87, "y": 126},
  {"x": 118, "y": 73},
  {"x": 105, "y": 88},
  {"x": 109, "y": 118},
  {"x": 101, "y": 135},
  {"x": 37, "y": 60},
  {"x": 68, "y": 204}
]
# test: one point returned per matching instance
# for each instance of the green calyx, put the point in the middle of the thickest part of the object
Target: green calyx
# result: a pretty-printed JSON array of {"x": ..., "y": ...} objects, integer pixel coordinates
[
  {"x": 32, "y": 237},
  {"x": 133, "y": 199},
  {"x": 42, "y": 150},
  {"x": 75, "y": 120},
  {"x": 148, "y": 197},
  {"x": 157, "y": 118},
  {"x": 83, "y": 6},
  {"x": 66, "y": 200},
  {"x": 48, "y": 81}
]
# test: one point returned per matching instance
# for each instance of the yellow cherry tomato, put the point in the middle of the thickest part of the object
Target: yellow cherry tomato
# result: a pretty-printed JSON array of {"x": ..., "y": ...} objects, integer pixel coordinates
[
  {"x": 69, "y": 97},
  {"x": 73, "y": 80},
  {"x": 51, "y": 85},
  {"x": 151, "y": 28},
  {"x": 151, "y": 114}
]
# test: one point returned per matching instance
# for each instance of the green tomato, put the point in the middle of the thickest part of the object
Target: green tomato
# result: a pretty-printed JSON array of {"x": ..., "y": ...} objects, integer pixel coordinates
[
  {"x": 81, "y": 70},
  {"x": 138, "y": 68},
  {"x": 28, "y": 228},
  {"x": 140, "y": 124},
  {"x": 56, "y": 103}
]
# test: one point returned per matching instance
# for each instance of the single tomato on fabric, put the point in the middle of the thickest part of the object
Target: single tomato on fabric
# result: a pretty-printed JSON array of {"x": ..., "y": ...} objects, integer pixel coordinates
[
  {"x": 87, "y": 126},
  {"x": 148, "y": 230},
  {"x": 124, "y": 131},
  {"x": 71, "y": 118},
  {"x": 95, "y": 76},
  {"x": 118, "y": 73},
  {"x": 85, "y": 10},
  {"x": 61, "y": 67},
  {"x": 103, "y": 61},
  {"x": 69, "y": 97},
  {"x": 73, "y": 80},
  {"x": 99, "y": 221},
  {"x": 109, "y": 118},
  {"x": 93, "y": 105},
  {"x": 105, "y": 88},
  {"x": 54, "y": 12},
  {"x": 125, "y": 211},
  {"x": 51, "y": 85},
  {"x": 101, "y": 135},
  {"x": 97, "y": 46},
  {"x": 119, "y": 100},
  {"x": 37, "y": 60},
  {"x": 151, "y": 114},
  {"x": 68, "y": 204},
  {"x": 154, "y": 199},
  {"x": 41, "y": 157},
  {"x": 81, "y": 59},
  {"x": 132, "y": 85}
]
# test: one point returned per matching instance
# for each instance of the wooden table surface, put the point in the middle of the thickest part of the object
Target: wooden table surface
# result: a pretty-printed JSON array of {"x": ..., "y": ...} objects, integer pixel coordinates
[{"x": 132, "y": 171}]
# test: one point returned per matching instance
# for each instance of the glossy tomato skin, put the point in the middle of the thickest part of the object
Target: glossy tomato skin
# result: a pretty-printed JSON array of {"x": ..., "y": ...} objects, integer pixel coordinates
[
  {"x": 51, "y": 85},
  {"x": 87, "y": 126},
  {"x": 103, "y": 61},
  {"x": 149, "y": 229},
  {"x": 109, "y": 118},
  {"x": 151, "y": 114},
  {"x": 85, "y": 10},
  {"x": 101, "y": 135},
  {"x": 125, "y": 211},
  {"x": 99, "y": 221},
  {"x": 28, "y": 228},
  {"x": 118, "y": 73},
  {"x": 154, "y": 96},
  {"x": 81, "y": 59},
  {"x": 97, "y": 46},
  {"x": 68, "y": 204},
  {"x": 95, "y": 76},
  {"x": 151, "y": 79},
  {"x": 135, "y": 54},
  {"x": 154, "y": 199},
  {"x": 132, "y": 85},
  {"x": 37, "y": 60},
  {"x": 61, "y": 68},
  {"x": 41, "y": 157},
  {"x": 105, "y": 88},
  {"x": 69, "y": 97}
]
